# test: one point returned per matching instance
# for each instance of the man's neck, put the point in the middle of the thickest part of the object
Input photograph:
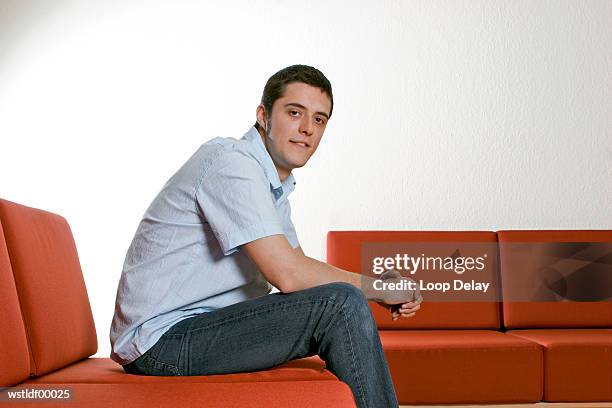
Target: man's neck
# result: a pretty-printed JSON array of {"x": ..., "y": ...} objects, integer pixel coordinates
[{"x": 283, "y": 173}]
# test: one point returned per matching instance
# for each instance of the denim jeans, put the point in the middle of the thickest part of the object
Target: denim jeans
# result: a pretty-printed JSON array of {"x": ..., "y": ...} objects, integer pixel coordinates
[{"x": 333, "y": 321}]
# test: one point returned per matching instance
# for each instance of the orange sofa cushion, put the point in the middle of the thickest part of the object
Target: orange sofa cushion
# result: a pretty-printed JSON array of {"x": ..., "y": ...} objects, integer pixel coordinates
[
  {"x": 561, "y": 314},
  {"x": 106, "y": 371},
  {"x": 344, "y": 251},
  {"x": 52, "y": 293},
  {"x": 14, "y": 359},
  {"x": 577, "y": 363},
  {"x": 294, "y": 394},
  {"x": 463, "y": 366}
]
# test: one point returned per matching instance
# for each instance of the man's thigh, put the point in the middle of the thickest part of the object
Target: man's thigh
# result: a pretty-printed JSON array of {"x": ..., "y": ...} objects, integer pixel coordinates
[{"x": 258, "y": 333}]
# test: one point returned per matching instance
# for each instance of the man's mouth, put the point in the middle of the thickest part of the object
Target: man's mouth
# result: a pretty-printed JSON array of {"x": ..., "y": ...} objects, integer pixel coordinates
[{"x": 303, "y": 144}]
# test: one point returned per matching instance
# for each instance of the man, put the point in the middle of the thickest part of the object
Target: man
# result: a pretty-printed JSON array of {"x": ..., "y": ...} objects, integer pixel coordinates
[{"x": 194, "y": 293}]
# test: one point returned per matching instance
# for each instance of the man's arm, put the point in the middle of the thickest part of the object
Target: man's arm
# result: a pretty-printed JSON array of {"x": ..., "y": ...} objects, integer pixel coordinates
[
  {"x": 398, "y": 310},
  {"x": 290, "y": 270}
]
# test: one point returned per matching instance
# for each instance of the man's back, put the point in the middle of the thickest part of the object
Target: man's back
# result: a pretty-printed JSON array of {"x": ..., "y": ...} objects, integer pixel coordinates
[{"x": 183, "y": 259}]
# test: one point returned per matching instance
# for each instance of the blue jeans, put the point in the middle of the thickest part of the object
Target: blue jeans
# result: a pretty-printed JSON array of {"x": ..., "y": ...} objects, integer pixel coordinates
[{"x": 333, "y": 321}]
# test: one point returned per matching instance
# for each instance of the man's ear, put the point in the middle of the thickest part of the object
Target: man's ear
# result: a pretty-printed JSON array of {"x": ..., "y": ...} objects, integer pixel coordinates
[{"x": 260, "y": 113}]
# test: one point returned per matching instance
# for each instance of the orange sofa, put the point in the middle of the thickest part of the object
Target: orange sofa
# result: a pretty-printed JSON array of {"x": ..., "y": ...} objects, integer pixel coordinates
[
  {"x": 495, "y": 351},
  {"x": 450, "y": 352},
  {"x": 48, "y": 336}
]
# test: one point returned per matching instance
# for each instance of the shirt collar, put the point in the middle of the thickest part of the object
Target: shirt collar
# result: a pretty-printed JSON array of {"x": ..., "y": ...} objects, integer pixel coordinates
[{"x": 278, "y": 188}]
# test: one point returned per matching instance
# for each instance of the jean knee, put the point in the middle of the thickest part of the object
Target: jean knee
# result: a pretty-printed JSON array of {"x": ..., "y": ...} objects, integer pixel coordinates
[
  {"x": 354, "y": 309},
  {"x": 350, "y": 297},
  {"x": 346, "y": 292}
]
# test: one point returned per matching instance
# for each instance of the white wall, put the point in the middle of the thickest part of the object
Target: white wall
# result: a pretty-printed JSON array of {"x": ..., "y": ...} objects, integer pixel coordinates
[{"x": 449, "y": 115}]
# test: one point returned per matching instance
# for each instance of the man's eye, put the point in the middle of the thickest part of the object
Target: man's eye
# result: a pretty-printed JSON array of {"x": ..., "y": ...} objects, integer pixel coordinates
[
  {"x": 320, "y": 121},
  {"x": 294, "y": 113}
]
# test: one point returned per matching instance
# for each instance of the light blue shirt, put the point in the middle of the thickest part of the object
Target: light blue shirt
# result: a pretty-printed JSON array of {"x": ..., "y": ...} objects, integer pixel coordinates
[{"x": 185, "y": 258}]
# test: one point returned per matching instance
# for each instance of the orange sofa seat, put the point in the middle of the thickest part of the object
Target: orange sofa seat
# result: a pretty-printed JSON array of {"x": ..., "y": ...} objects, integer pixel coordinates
[
  {"x": 462, "y": 366},
  {"x": 106, "y": 371},
  {"x": 578, "y": 362}
]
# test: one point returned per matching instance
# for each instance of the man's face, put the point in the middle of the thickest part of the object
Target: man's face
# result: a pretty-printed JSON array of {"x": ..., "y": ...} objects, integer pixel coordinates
[{"x": 297, "y": 124}]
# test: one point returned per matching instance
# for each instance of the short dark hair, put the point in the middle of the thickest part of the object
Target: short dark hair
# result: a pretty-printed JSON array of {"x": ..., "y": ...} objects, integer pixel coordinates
[{"x": 277, "y": 84}]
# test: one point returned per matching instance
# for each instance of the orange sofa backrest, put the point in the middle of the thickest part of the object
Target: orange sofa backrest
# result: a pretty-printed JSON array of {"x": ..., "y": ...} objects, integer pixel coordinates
[
  {"x": 54, "y": 303},
  {"x": 14, "y": 359},
  {"x": 344, "y": 251},
  {"x": 519, "y": 254}
]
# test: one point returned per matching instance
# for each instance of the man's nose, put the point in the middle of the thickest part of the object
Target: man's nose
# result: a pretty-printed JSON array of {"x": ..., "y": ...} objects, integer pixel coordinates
[{"x": 306, "y": 126}]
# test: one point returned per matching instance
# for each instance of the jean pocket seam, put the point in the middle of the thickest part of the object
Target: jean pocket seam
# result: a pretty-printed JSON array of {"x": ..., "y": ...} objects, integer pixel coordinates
[{"x": 170, "y": 367}]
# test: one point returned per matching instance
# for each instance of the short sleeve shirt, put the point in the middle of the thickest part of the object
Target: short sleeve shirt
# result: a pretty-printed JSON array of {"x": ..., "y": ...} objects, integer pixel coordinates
[{"x": 186, "y": 258}]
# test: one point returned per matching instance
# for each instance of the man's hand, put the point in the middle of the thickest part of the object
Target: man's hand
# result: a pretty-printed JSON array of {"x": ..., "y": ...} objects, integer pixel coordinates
[
  {"x": 407, "y": 309},
  {"x": 403, "y": 309}
]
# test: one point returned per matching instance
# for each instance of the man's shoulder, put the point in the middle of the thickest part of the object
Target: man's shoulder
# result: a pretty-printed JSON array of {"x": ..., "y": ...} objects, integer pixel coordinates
[
  {"x": 227, "y": 153},
  {"x": 227, "y": 150}
]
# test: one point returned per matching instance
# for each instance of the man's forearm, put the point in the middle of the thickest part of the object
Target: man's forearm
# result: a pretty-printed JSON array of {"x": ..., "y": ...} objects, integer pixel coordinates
[{"x": 309, "y": 272}]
